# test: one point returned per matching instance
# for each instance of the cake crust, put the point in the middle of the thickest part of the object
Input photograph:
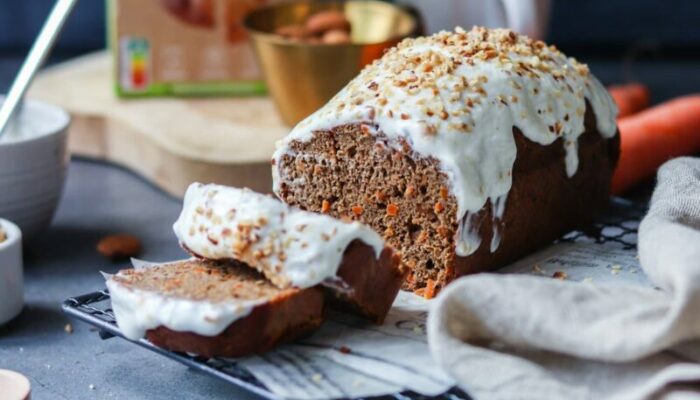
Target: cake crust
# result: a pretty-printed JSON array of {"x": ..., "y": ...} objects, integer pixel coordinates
[
  {"x": 373, "y": 282},
  {"x": 288, "y": 316}
]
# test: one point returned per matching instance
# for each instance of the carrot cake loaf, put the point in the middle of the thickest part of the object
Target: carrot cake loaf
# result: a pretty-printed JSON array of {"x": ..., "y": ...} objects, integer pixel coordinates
[{"x": 465, "y": 150}]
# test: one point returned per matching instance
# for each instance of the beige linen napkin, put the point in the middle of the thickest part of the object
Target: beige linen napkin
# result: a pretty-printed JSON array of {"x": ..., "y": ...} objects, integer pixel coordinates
[{"x": 524, "y": 337}]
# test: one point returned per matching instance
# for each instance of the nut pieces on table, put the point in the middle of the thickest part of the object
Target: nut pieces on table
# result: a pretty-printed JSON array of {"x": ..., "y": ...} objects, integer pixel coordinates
[{"x": 119, "y": 247}]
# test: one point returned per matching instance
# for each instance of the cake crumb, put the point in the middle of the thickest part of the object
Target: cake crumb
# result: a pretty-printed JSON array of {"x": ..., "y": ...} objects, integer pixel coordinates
[
  {"x": 3, "y": 235},
  {"x": 345, "y": 350},
  {"x": 536, "y": 268},
  {"x": 561, "y": 275},
  {"x": 379, "y": 196},
  {"x": 317, "y": 377},
  {"x": 68, "y": 328},
  {"x": 410, "y": 189}
]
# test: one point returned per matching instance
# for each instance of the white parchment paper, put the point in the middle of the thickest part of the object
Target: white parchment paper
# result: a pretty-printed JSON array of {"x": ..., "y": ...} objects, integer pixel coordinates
[{"x": 394, "y": 357}]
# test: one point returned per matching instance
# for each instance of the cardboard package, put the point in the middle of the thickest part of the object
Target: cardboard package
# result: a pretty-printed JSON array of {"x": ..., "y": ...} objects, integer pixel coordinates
[{"x": 183, "y": 47}]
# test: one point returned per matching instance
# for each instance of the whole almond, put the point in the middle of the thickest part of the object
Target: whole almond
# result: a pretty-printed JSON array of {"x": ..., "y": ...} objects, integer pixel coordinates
[
  {"x": 336, "y": 36},
  {"x": 325, "y": 21},
  {"x": 119, "y": 247}
]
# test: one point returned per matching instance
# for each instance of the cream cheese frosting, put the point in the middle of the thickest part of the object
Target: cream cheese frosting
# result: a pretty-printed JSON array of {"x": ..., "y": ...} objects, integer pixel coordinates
[
  {"x": 291, "y": 247},
  {"x": 456, "y": 96},
  {"x": 138, "y": 310}
]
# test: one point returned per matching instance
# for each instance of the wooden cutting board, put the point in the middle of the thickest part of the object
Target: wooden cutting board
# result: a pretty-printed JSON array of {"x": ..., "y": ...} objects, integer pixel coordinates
[{"x": 169, "y": 141}]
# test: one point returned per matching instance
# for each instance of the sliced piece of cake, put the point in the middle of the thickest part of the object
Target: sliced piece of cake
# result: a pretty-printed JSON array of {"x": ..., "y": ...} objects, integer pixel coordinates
[
  {"x": 211, "y": 308},
  {"x": 291, "y": 247}
]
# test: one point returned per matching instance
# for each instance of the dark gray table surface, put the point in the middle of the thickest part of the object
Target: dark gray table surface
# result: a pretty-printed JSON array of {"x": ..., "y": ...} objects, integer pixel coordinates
[{"x": 99, "y": 199}]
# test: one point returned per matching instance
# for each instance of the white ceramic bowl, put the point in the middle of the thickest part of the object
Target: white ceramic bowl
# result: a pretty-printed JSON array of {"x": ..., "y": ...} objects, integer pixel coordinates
[
  {"x": 33, "y": 168},
  {"x": 11, "y": 278},
  {"x": 14, "y": 385}
]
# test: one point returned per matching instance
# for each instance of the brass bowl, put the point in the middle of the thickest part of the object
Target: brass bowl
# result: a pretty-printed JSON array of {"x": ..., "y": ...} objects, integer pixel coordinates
[{"x": 302, "y": 76}]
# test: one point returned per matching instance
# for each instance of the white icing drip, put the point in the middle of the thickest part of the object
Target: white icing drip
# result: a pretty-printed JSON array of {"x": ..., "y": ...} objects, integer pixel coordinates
[
  {"x": 498, "y": 208},
  {"x": 138, "y": 310},
  {"x": 468, "y": 235},
  {"x": 495, "y": 238},
  {"x": 452, "y": 99},
  {"x": 289, "y": 246}
]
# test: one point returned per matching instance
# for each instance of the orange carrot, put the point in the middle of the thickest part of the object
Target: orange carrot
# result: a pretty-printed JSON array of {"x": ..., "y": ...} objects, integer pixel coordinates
[
  {"x": 630, "y": 98},
  {"x": 651, "y": 137}
]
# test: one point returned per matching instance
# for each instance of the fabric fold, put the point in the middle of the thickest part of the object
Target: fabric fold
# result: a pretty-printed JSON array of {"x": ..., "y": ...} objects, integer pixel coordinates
[{"x": 524, "y": 337}]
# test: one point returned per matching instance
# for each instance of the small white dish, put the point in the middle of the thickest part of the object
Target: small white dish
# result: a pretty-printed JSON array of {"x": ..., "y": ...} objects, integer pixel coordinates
[
  {"x": 11, "y": 272},
  {"x": 14, "y": 385},
  {"x": 33, "y": 167}
]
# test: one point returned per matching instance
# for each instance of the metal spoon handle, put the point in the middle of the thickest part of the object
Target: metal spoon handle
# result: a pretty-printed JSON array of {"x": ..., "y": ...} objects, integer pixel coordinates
[{"x": 40, "y": 49}]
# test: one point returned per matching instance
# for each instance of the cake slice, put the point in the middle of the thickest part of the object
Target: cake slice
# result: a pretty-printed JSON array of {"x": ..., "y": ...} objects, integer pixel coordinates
[
  {"x": 290, "y": 247},
  {"x": 211, "y": 308}
]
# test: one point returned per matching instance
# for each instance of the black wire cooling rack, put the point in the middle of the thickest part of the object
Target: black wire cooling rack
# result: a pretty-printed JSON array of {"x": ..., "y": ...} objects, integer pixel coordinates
[{"x": 618, "y": 228}]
